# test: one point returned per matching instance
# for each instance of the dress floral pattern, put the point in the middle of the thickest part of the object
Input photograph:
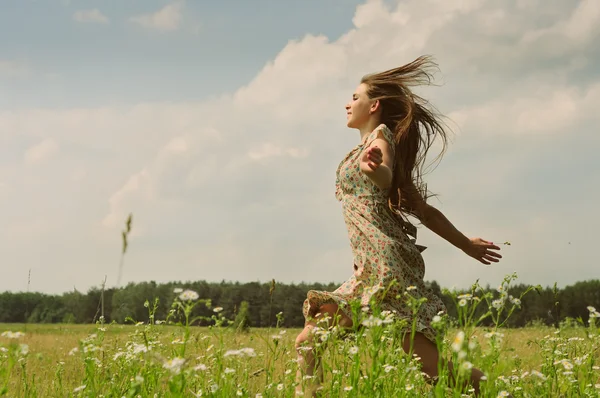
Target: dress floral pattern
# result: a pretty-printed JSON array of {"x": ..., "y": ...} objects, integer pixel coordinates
[{"x": 383, "y": 251}]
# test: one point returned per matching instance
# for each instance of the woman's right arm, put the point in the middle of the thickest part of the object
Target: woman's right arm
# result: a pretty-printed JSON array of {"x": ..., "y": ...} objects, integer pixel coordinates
[{"x": 435, "y": 220}]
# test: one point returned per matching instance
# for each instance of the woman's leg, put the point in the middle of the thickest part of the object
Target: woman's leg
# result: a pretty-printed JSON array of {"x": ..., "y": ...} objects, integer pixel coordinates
[
  {"x": 428, "y": 352},
  {"x": 308, "y": 360}
]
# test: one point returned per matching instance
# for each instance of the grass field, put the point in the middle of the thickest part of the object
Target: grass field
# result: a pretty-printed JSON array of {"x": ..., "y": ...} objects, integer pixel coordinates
[{"x": 164, "y": 360}]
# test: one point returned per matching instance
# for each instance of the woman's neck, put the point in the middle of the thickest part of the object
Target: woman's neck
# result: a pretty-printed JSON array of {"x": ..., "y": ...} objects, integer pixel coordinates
[{"x": 368, "y": 128}]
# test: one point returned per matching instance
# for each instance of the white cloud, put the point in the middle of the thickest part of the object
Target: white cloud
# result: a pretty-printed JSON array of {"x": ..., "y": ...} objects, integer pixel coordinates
[
  {"x": 550, "y": 110},
  {"x": 243, "y": 185},
  {"x": 168, "y": 18},
  {"x": 90, "y": 16},
  {"x": 270, "y": 150},
  {"x": 41, "y": 151}
]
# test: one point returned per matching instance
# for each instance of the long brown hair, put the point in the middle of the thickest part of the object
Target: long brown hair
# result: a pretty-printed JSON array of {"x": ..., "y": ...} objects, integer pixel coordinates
[{"x": 415, "y": 125}]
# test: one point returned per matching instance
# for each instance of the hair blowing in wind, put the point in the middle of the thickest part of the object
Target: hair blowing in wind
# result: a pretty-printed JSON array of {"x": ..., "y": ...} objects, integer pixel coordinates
[{"x": 413, "y": 121}]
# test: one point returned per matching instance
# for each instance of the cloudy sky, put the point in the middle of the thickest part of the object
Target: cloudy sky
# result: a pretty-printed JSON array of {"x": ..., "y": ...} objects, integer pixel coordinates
[{"x": 219, "y": 125}]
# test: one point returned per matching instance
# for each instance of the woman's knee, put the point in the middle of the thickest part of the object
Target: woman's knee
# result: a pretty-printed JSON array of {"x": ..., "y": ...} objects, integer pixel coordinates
[
  {"x": 305, "y": 336},
  {"x": 334, "y": 315}
]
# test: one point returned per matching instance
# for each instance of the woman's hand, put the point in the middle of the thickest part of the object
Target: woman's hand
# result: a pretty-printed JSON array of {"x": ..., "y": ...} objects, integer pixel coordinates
[
  {"x": 373, "y": 157},
  {"x": 481, "y": 250},
  {"x": 376, "y": 163}
]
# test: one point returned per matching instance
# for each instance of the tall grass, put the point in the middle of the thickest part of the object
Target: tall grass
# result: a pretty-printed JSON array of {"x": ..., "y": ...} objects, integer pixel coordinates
[{"x": 173, "y": 358}]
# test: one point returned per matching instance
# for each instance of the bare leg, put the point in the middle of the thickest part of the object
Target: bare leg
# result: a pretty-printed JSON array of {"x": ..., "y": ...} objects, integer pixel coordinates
[
  {"x": 308, "y": 360},
  {"x": 428, "y": 352}
]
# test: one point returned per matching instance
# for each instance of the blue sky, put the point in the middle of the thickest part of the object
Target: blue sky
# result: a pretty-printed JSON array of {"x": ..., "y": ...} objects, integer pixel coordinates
[
  {"x": 220, "y": 126},
  {"x": 216, "y": 47}
]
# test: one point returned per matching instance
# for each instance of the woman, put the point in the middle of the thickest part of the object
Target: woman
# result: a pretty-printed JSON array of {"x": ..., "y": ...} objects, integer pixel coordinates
[{"x": 378, "y": 183}]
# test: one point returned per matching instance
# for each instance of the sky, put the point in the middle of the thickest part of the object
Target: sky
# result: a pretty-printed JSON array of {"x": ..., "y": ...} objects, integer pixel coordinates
[{"x": 219, "y": 126}]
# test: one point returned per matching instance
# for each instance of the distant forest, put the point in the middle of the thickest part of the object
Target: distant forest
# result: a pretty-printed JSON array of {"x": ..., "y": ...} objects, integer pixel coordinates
[{"x": 263, "y": 301}]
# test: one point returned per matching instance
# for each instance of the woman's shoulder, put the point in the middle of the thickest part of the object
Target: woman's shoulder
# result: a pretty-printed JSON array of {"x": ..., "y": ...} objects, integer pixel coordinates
[{"x": 382, "y": 131}]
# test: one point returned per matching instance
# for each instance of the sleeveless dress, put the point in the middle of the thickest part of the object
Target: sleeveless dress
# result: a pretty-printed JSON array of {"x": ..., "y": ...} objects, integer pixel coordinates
[{"x": 383, "y": 251}]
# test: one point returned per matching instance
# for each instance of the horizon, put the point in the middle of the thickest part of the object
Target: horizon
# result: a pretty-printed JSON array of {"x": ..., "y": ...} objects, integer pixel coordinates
[{"x": 182, "y": 283}]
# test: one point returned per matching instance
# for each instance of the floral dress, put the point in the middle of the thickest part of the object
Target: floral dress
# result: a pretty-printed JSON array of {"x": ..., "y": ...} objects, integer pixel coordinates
[{"x": 383, "y": 251}]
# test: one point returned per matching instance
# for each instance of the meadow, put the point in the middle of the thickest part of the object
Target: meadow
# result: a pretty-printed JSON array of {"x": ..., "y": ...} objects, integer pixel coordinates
[{"x": 173, "y": 358}]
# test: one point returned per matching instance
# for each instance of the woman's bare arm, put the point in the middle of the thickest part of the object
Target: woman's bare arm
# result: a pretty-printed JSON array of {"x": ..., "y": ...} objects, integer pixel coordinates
[{"x": 437, "y": 222}]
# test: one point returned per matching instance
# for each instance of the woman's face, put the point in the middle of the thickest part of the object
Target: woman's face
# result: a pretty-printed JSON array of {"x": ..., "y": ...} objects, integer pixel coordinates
[{"x": 359, "y": 109}]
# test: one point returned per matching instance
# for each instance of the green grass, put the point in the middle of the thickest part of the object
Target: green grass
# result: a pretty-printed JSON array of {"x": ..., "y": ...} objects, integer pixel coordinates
[{"x": 174, "y": 359}]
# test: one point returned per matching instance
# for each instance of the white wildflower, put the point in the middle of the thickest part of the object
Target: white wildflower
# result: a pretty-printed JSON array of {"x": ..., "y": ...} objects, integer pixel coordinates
[
  {"x": 462, "y": 302},
  {"x": 189, "y": 295},
  {"x": 498, "y": 304},
  {"x": 12, "y": 335},
  {"x": 201, "y": 367},
  {"x": 348, "y": 388},
  {"x": 353, "y": 350},
  {"x": 229, "y": 371},
  {"x": 80, "y": 388},
  {"x": 458, "y": 341},
  {"x": 515, "y": 301},
  {"x": 467, "y": 365},
  {"x": 538, "y": 374},
  {"x": 174, "y": 365},
  {"x": 138, "y": 348},
  {"x": 217, "y": 309},
  {"x": 411, "y": 288},
  {"x": 565, "y": 363},
  {"x": 248, "y": 351},
  {"x": 489, "y": 335},
  {"x": 279, "y": 387},
  {"x": 503, "y": 394},
  {"x": 372, "y": 321},
  {"x": 177, "y": 290}
]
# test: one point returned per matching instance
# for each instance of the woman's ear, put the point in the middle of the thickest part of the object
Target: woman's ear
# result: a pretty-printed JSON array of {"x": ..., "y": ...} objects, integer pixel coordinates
[{"x": 374, "y": 107}]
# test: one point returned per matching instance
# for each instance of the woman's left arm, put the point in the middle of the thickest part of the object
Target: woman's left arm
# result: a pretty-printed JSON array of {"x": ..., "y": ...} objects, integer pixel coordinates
[{"x": 377, "y": 161}]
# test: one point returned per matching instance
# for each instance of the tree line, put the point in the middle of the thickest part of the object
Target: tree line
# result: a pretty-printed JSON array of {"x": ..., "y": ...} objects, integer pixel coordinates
[{"x": 261, "y": 303}]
